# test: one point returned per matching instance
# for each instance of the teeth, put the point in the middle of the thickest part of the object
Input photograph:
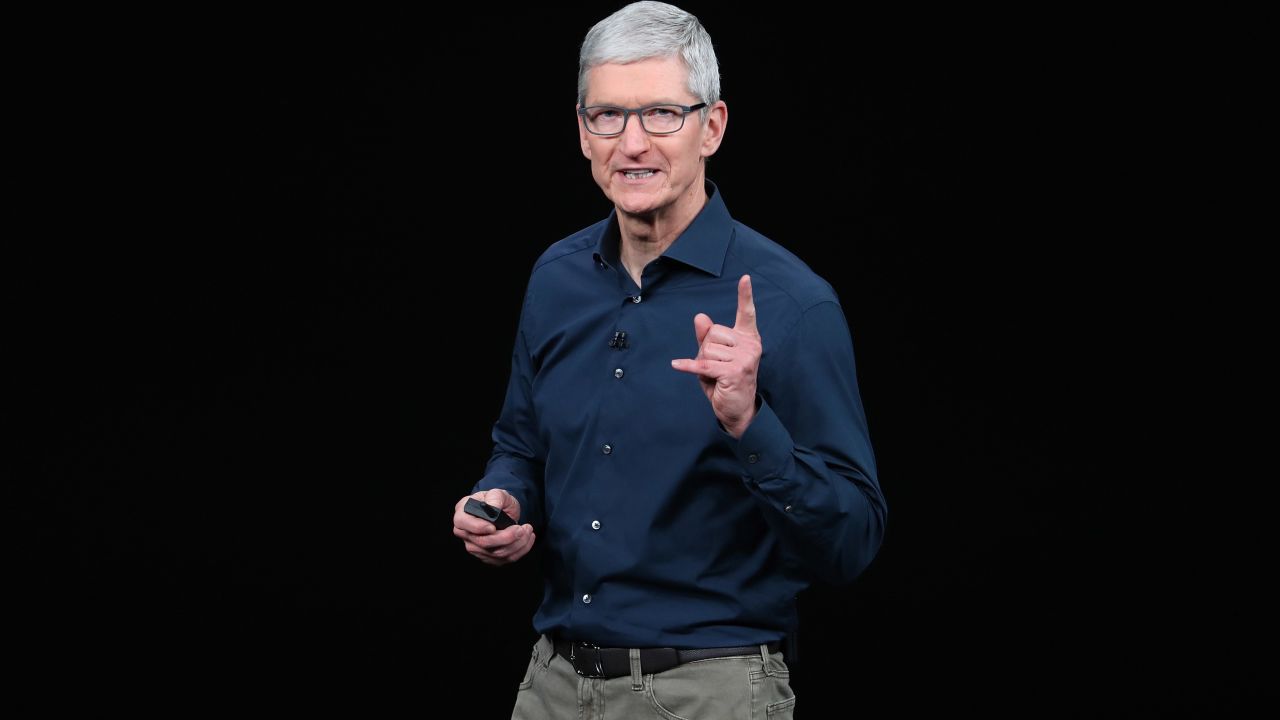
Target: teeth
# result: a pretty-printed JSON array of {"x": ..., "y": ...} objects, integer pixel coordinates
[{"x": 638, "y": 174}]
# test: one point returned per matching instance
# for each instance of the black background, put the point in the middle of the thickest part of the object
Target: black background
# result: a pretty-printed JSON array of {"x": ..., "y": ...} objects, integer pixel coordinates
[{"x": 271, "y": 322}]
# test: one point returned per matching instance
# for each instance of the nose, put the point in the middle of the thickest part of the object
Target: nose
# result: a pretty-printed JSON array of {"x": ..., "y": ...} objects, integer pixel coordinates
[{"x": 634, "y": 140}]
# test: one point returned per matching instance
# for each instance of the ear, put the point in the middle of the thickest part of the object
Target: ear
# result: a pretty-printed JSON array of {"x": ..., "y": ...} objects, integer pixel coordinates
[
  {"x": 713, "y": 129},
  {"x": 582, "y": 133}
]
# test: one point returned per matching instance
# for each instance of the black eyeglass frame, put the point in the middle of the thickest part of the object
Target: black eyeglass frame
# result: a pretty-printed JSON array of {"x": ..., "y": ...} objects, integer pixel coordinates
[{"x": 627, "y": 113}]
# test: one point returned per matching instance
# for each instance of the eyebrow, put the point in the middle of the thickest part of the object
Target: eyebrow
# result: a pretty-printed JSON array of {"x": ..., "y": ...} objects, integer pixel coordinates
[{"x": 663, "y": 101}]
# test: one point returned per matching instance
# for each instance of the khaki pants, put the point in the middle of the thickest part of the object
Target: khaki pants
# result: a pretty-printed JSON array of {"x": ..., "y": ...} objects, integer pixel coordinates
[{"x": 749, "y": 687}]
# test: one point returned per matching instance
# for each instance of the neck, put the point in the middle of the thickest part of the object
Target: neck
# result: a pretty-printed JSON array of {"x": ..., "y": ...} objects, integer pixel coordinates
[{"x": 645, "y": 236}]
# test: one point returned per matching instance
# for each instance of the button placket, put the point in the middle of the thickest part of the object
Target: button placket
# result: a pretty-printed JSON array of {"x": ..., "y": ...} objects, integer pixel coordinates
[{"x": 620, "y": 343}]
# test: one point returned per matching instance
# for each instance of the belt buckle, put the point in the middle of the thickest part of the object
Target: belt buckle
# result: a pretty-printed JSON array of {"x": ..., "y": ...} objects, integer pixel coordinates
[{"x": 596, "y": 667}]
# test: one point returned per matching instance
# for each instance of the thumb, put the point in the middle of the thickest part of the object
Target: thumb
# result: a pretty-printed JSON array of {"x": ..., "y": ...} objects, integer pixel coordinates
[
  {"x": 701, "y": 326},
  {"x": 497, "y": 497}
]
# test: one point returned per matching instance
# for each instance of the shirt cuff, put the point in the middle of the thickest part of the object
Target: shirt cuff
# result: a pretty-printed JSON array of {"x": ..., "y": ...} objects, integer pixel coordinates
[{"x": 765, "y": 448}]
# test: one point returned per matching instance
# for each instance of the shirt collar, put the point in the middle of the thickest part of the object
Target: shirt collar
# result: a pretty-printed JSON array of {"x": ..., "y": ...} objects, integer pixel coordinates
[{"x": 702, "y": 245}]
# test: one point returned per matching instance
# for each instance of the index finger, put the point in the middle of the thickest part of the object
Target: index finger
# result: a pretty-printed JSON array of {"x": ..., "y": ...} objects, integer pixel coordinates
[{"x": 746, "y": 320}]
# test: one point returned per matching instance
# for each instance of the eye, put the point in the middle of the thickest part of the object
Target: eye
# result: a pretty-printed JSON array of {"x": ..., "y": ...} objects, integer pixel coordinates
[{"x": 605, "y": 113}]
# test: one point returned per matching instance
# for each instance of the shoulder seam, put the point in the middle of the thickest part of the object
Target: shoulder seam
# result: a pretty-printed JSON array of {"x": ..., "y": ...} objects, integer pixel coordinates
[
  {"x": 801, "y": 306},
  {"x": 544, "y": 260}
]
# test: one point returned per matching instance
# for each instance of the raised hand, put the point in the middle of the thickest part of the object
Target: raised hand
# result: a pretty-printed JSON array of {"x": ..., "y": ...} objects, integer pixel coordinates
[{"x": 727, "y": 362}]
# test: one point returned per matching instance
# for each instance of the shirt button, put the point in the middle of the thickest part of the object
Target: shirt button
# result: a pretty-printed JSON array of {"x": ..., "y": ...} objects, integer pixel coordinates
[
  {"x": 752, "y": 458},
  {"x": 787, "y": 508},
  {"x": 595, "y": 524},
  {"x": 635, "y": 299},
  {"x": 607, "y": 449},
  {"x": 618, "y": 373},
  {"x": 586, "y": 599}
]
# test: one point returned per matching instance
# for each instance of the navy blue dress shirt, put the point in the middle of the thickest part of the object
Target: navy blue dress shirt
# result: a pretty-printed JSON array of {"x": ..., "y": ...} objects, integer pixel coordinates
[{"x": 659, "y": 528}]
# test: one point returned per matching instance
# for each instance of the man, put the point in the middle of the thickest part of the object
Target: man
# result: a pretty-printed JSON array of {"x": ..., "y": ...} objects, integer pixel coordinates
[{"x": 687, "y": 482}]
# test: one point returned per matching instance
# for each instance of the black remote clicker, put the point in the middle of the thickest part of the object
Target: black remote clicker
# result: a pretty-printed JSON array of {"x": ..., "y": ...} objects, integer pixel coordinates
[{"x": 485, "y": 511}]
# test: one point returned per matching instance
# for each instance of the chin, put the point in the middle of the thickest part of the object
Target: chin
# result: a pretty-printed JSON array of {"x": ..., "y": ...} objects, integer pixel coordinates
[
  {"x": 638, "y": 208},
  {"x": 638, "y": 203}
]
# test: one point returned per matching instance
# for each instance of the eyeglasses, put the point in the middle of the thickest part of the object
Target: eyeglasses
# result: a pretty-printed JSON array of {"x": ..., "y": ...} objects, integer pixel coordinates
[{"x": 661, "y": 119}]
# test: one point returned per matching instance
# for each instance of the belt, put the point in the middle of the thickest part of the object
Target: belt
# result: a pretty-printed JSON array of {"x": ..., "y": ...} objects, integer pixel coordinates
[{"x": 592, "y": 661}]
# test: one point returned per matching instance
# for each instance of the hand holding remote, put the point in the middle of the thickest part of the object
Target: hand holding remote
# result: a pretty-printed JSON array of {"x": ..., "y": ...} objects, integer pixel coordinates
[
  {"x": 485, "y": 511},
  {"x": 487, "y": 524}
]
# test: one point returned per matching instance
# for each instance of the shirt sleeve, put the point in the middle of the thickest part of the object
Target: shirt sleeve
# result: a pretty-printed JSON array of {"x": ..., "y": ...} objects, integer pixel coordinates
[
  {"x": 807, "y": 455},
  {"x": 518, "y": 459}
]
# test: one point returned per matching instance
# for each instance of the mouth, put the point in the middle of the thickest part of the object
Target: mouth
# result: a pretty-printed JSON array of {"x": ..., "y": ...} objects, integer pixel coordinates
[{"x": 639, "y": 175}]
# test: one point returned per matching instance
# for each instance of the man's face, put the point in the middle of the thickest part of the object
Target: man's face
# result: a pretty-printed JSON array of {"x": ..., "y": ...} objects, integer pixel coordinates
[{"x": 675, "y": 160}]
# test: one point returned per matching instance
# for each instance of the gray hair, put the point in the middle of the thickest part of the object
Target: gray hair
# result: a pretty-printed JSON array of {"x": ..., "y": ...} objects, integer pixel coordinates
[{"x": 644, "y": 30}]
